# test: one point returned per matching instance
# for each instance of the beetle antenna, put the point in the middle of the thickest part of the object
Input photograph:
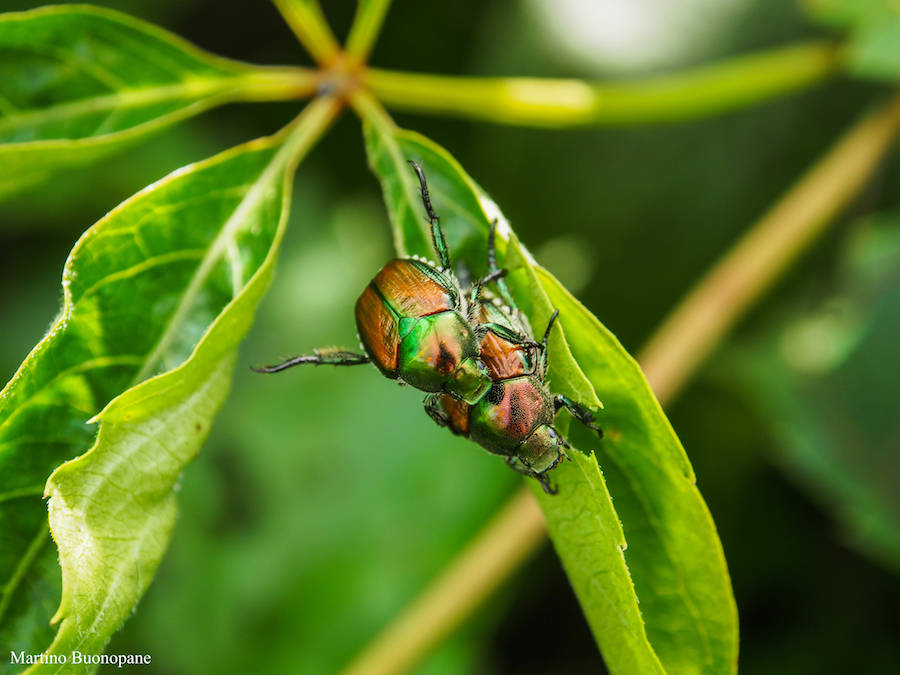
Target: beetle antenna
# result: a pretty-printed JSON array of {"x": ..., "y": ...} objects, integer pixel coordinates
[
  {"x": 549, "y": 326},
  {"x": 437, "y": 234}
]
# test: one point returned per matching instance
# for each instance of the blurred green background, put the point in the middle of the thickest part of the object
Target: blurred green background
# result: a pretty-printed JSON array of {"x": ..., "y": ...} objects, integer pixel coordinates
[{"x": 325, "y": 500}]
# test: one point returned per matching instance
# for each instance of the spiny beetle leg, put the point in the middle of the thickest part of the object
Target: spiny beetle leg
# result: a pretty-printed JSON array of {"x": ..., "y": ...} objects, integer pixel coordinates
[
  {"x": 582, "y": 414},
  {"x": 492, "y": 268},
  {"x": 434, "y": 411},
  {"x": 550, "y": 323},
  {"x": 563, "y": 442},
  {"x": 517, "y": 465},
  {"x": 492, "y": 250},
  {"x": 545, "y": 483},
  {"x": 333, "y": 357},
  {"x": 437, "y": 234}
]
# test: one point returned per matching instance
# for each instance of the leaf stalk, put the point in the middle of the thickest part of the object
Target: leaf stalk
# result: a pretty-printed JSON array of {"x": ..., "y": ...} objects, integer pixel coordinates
[
  {"x": 365, "y": 28},
  {"x": 559, "y": 103},
  {"x": 306, "y": 19}
]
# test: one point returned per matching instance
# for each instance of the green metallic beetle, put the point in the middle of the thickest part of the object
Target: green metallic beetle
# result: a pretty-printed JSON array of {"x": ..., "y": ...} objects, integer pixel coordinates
[
  {"x": 483, "y": 371},
  {"x": 414, "y": 325}
]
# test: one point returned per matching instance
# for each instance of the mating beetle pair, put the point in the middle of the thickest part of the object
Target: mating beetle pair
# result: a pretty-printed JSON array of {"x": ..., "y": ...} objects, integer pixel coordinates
[{"x": 476, "y": 359}]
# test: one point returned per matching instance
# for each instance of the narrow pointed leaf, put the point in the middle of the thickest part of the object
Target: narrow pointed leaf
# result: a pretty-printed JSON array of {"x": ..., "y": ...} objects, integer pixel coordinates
[
  {"x": 665, "y": 605},
  {"x": 157, "y": 296},
  {"x": 77, "y": 82},
  {"x": 674, "y": 552}
]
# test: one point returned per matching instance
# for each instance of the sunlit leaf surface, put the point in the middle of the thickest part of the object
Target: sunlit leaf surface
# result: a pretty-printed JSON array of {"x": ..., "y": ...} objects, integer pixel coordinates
[{"x": 78, "y": 82}]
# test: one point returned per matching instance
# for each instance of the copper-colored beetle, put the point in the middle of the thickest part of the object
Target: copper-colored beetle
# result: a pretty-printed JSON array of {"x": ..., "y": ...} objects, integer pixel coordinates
[
  {"x": 483, "y": 371},
  {"x": 413, "y": 325}
]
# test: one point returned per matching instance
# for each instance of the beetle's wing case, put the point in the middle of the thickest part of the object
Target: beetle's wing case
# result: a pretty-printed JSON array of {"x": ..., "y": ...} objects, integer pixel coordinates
[
  {"x": 504, "y": 359},
  {"x": 413, "y": 288},
  {"x": 378, "y": 331},
  {"x": 403, "y": 289}
]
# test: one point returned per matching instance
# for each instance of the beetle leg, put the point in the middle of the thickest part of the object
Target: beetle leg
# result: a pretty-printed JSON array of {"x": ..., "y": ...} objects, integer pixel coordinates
[
  {"x": 550, "y": 323},
  {"x": 545, "y": 483},
  {"x": 563, "y": 442},
  {"x": 434, "y": 412},
  {"x": 492, "y": 268},
  {"x": 493, "y": 276},
  {"x": 437, "y": 234},
  {"x": 333, "y": 357},
  {"x": 582, "y": 414},
  {"x": 518, "y": 465}
]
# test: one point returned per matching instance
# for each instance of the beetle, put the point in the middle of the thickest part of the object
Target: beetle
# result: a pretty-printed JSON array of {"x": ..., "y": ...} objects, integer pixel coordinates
[
  {"x": 482, "y": 370},
  {"x": 413, "y": 324},
  {"x": 515, "y": 418}
]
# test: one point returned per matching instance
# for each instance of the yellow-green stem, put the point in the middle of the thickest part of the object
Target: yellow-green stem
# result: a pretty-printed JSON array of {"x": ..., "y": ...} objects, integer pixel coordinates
[
  {"x": 366, "y": 27},
  {"x": 278, "y": 84},
  {"x": 668, "y": 361},
  {"x": 309, "y": 25},
  {"x": 688, "y": 94},
  {"x": 474, "y": 574},
  {"x": 705, "y": 315},
  {"x": 369, "y": 108}
]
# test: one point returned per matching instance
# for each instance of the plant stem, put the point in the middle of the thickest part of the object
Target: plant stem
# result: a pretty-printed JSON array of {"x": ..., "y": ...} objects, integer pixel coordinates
[
  {"x": 669, "y": 359},
  {"x": 704, "y": 316},
  {"x": 367, "y": 107},
  {"x": 698, "y": 92},
  {"x": 278, "y": 84},
  {"x": 306, "y": 19},
  {"x": 508, "y": 539},
  {"x": 308, "y": 127},
  {"x": 366, "y": 27}
]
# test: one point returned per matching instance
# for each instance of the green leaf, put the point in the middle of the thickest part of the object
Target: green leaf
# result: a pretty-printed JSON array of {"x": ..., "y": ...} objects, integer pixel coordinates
[
  {"x": 874, "y": 27},
  {"x": 675, "y": 555},
  {"x": 79, "y": 82},
  {"x": 824, "y": 376},
  {"x": 157, "y": 296},
  {"x": 686, "y": 621}
]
